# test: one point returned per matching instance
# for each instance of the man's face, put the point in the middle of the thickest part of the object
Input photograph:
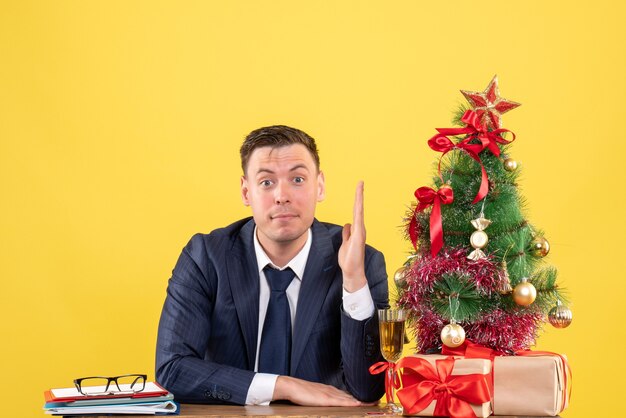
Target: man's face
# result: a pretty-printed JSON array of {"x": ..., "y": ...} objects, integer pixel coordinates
[{"x": 282, "y": 186}]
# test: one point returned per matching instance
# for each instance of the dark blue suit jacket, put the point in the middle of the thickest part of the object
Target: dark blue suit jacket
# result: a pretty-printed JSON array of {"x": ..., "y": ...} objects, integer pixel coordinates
[{"x": 206, "y": 346}]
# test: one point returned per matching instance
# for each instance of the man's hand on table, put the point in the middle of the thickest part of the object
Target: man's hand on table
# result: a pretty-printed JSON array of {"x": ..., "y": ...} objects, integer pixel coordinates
[{"x": 302, "y": 392}]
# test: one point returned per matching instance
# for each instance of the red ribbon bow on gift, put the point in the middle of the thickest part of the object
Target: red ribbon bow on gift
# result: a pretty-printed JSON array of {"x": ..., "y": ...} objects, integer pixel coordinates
[
  {"x": 392, "y": 379},
  {"x": 427, "y": 197},
  {"x": 453, "y": 394}
]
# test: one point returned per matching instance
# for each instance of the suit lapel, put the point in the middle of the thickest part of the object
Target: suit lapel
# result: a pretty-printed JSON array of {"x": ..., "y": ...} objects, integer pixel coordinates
[
  {"x": 243, "y": 277},
  {"x": 318, "y": 275}
]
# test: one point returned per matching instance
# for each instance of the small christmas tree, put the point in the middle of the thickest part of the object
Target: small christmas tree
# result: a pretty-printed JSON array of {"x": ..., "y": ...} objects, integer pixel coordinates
[{"x": 477, "y": 270}]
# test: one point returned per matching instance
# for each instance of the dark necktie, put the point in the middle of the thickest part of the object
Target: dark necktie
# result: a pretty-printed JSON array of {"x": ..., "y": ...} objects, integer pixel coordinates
[{"x": 275, "y": 349}]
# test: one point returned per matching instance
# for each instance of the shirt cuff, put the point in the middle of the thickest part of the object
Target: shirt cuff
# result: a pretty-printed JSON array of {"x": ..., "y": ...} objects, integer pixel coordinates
[
  {"x": 359, "y": 305},
  {"x": 261, "y": 389}
]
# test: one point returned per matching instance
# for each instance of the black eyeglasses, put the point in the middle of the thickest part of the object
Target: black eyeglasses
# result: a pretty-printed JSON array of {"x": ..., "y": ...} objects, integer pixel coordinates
[{"x": 101, "y": 385}]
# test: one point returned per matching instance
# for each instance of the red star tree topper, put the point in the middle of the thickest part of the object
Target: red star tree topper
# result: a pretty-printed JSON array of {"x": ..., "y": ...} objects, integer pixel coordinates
[{"x": 489, "y": 105}]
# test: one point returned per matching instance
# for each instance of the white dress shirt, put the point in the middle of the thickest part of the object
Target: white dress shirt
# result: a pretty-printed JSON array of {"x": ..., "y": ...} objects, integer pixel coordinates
[{"x": 358, "y": 305}]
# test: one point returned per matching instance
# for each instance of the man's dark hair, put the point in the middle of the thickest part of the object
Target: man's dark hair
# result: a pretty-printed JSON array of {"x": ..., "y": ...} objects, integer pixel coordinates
[{"x": 276, "y": 136}]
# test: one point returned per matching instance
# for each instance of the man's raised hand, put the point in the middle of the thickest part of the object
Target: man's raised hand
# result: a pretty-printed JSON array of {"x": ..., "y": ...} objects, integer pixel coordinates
[{"x": 352, "y": 250}]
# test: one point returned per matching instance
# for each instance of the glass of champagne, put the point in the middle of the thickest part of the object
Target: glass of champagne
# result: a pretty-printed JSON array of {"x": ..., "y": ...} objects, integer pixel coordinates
[{"x": 391, "y": 325}]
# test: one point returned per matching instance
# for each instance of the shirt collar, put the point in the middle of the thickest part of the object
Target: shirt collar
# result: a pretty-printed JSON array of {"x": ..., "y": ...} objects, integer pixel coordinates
[{"x": 297, "y": 264}]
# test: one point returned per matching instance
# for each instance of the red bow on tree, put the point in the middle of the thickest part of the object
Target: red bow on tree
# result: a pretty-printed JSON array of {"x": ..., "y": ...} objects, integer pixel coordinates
[
  {"x": 473, "y": 128},
  {"x": 425, "y": 198},
  {"x": 443, "y": 144},
  {"x": 488, "y": 139},
  {"x": 453, "y": 394}
]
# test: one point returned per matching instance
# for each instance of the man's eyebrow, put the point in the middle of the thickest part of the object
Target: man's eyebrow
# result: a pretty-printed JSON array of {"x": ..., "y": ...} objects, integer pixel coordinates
[
  {"x": 264, "y": 170},
  {"x": 294, "y": 168},
  {"x": 299, "y": 166}
]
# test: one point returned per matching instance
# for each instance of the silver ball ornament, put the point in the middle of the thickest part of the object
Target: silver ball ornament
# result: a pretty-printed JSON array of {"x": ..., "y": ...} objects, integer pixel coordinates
[{"x": 560, "y": 316}]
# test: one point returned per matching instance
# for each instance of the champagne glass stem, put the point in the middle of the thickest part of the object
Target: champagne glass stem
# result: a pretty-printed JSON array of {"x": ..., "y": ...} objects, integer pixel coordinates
[
  {"x": 390, "y": 376},
  {"x": 391, "y": 404}
]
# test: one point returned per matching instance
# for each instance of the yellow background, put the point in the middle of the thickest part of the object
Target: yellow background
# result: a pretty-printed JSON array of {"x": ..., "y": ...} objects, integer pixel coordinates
[{"x": 120, "y": 123}]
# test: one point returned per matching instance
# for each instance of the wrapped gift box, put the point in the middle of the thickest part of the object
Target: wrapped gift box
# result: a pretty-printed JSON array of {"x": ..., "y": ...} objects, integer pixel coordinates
[
  {"x": 462, "y": 367},
  {"x": 532, "y": 385}
]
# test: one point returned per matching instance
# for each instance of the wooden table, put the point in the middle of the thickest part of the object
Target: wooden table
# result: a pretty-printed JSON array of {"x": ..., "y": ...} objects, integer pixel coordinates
[{"x": 280, "y": 410}]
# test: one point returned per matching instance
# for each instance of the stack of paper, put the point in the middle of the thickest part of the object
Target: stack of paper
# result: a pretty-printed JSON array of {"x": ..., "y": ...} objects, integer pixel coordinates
[{"x": 153, "y": 400}]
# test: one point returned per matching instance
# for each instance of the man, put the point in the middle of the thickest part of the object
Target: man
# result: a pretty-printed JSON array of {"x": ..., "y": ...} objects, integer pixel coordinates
[{"x": 230, "y": 334}]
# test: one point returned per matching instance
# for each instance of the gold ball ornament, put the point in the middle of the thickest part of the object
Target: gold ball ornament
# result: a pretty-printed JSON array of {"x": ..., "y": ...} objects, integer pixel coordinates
[
  {"x": 510, "y": 164},
  {"x": 524, "y": 293},
  {"x": 452, "y": 335},
  {"x": 399, "y": 277},
  {"x": 560, "y": 316},
  {"x": 539, "y": 247}
]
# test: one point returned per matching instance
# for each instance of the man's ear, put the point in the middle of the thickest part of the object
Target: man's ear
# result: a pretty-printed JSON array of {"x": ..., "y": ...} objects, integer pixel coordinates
[
  {"x": 245, "y": 192},
  {"x": 321, "y": 188}
]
